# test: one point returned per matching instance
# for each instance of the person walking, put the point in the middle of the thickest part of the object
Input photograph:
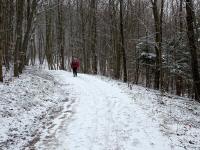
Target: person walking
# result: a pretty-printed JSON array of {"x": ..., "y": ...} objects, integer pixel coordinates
[{"x": 75, "y": 64}]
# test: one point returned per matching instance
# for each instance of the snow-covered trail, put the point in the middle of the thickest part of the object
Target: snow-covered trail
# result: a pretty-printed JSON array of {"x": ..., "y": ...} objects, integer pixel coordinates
[{"x": 102, "y": 117}]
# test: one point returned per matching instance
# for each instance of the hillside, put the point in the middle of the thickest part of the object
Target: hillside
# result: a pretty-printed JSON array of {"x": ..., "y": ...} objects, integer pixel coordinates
[{"x": 53, "y": 110}]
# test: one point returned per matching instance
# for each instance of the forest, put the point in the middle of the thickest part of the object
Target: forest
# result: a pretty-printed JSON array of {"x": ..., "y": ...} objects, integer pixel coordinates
[{"x": 153, "y": 43}]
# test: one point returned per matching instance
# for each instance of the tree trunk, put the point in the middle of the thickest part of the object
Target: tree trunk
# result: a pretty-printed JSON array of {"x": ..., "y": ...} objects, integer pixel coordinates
[
  {"x": 83, "y": 37},
  {"x": 18, "y": 44},
  {"x": 23, "y": 50},
  {"x": 61, "y": 33},
  {"x": 116, "y": 61},
  {"x": 158, "y": 41},
  {"x": 193, "y": 49},
  {"x": 122, "y": 42},
  {"x": 48, "y": 48},
  {"x": 8, "y": 33},
  {"x": 93, "y": 36},
  {"x": 179, "y": 80},
  {"x": 137, "y": 66},
  {"x": 1, "y": 39}
]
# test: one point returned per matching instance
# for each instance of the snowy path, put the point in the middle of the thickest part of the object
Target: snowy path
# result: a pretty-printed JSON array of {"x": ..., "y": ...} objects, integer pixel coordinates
[{"x": 102, "y": 117}]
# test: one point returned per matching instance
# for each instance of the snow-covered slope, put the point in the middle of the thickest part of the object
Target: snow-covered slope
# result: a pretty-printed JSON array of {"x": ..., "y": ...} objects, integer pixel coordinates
[
  {"x": 27, "y": 105},
  {"x": 177, "y": 117},
  {"x": 93, "y": 113},
  {"x": 107, "y": 115}
]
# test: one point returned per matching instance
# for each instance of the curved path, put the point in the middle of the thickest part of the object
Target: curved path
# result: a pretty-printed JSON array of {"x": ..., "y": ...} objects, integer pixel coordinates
[{"x": 100, "y": 116}]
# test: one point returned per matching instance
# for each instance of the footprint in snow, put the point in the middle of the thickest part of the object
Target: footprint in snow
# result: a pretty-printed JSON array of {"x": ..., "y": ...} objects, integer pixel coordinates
[{"x": 135, "y": 142}]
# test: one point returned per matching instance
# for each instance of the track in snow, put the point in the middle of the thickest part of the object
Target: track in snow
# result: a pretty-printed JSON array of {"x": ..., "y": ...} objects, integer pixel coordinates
[{"x": 102, "y": 117}]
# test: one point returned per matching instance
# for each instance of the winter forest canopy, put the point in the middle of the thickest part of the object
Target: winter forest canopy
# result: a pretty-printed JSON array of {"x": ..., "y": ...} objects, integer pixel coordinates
[{"x": 154, "y": 43}]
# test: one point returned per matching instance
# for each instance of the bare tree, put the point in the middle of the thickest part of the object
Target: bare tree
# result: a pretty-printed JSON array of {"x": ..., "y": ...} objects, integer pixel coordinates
[
  {"x": 1, "y": 39},
  {"x": 158, "y": 14},
  {"x": 31, "y": 10},
  {"x": 93, "y": 34},
  {"x": 122, "y": 42},
  {"x": 49, "y": 38},
  {"x": 121, "y": 39},
  {"x": 61, "y": 37},
  {"x": 193, "y": 49},
  {"x": 18, "y": 44}
]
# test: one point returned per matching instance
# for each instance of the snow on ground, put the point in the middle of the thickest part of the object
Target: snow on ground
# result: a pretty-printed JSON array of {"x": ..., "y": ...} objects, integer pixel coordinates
[
  {"x": 51, "y": 110},
  {"x": 178, "y": 117},
  {"x": 27, "y": 105},
  {"x": 109, "y": 116},
  {"x": 104, "y": 118}
]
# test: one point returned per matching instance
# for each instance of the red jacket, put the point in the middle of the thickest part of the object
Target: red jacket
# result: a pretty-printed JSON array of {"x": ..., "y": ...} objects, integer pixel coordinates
[{"x": 75, "y": 63}]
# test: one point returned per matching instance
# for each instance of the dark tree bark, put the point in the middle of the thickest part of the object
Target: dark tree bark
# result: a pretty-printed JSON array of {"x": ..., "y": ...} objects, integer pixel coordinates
[
  {"x": 158, "y": 39},
  {"x": 49, "y": 36},
  {"x": 1, "y": 39},
  {"x": 193, "y": 49},
  {"x": 179, "y": 80},
  {"x": 18, "y": 44},
  {"x": 83, "y": 26},
  {"x": 61, "y": 35},
  {"x": 8, "y": 33},
  {"x": 115, "y": 53},
  {"x": 93, "y": 35},
  {"x": 181, "y": 15},
  {"x": 41, "y": 47},
  {"x": 23, "y": 50},
  {"x": 122, "y": 42},
  {"x": 137, "y": 66}
]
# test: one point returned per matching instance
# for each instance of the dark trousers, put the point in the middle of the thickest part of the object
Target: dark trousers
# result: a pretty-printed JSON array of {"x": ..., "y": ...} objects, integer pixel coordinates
[{"x": 75, "y": 72}]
